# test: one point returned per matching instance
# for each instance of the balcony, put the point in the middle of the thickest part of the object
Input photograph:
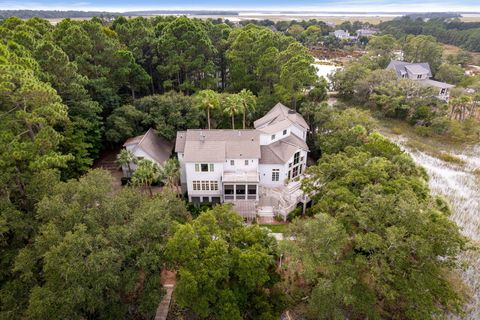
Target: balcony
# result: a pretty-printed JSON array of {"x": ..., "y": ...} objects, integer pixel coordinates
[{"x": 241, "y": 176}]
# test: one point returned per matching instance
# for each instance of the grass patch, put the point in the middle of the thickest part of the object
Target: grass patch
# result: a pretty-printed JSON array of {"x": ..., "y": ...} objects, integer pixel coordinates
[
  {"x": 442, "y": 155},
  {"x": 276, "y": 228},
  {"x": 448, "y": 157},
  {"x": 476, "y": 172}
]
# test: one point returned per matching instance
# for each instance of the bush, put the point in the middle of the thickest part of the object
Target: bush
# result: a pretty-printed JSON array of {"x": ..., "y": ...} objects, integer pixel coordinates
[
  {"x": 440, "y": 125},
  {"x": 423, "y": 131},
  {"x": 297, "y": 212}
]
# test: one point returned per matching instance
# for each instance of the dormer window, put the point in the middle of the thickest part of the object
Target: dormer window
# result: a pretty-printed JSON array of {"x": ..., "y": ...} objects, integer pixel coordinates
[
  {"x": 285, "y": 132},
  {"x": 232, "y": 162},
  {"x": 273, "y": 137},
  {"x": 443, "y": 91},
  {"x": 419, "y": 76}
]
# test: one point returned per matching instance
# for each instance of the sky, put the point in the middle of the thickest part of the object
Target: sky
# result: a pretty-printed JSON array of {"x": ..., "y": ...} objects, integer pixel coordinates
[{"x": 292, "y": 5}]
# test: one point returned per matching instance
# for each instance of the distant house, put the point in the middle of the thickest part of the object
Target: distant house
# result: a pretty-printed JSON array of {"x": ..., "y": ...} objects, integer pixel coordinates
[
  {"x": 342, "y": 35},
  {"x": 148, "y": 146},
  {"x": 421, "y": 73},
  {"x": 366, "y": 32},
  {"x": 257, "y": 170}
]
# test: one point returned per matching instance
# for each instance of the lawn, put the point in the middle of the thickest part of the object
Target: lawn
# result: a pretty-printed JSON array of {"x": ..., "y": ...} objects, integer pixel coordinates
[{"x": 276, "y": 228}]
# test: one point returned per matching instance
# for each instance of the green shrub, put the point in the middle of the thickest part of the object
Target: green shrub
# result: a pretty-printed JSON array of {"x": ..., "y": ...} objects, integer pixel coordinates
[
  {"x": 297, "y": 212},
  {"x": 423, "y": 131}
]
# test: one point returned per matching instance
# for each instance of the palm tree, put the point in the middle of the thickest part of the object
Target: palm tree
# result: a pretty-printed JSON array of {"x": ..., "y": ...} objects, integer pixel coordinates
[
  {"x": 249, "y": 103},
  {"x": 146, "y": 174},
  {"x": 125, "y": 158},
  {"x": 208, "y": 100},
  {"x": 232, "y": 105},
  {"x": 170, "y": 173}
]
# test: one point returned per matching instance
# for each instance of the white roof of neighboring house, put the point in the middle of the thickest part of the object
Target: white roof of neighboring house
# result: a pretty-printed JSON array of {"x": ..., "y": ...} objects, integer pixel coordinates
[
  {"x": 154, "y": 145},
  {"x": 278, "y": 118}
]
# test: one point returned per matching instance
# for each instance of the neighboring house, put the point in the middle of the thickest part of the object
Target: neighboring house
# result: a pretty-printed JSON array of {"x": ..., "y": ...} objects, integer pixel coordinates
[
  {"x": 258, "y": 170},
  {"x": 343, "y": 35},
  {"x": 421, "y": 73},
  {"x": 148, "y": 146},
  {"x": 366, "y": 32}
]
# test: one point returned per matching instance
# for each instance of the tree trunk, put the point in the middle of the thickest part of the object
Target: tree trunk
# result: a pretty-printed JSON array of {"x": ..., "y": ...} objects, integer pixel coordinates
[
  {"x": 129, "y": 169},
  {"x": 244, "y": 118},
  {"x": 233, "y": 122},
  {"x": 133, "y": 94},
  {"x": 150, "y": 189},
  {"x": 208, "y": 118}
]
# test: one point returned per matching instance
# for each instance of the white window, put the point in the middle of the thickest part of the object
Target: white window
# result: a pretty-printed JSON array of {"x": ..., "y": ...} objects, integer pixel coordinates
[
  {"x": 197, "y": 167},
  {"x": 232, "y": 162},
  {"x": 275, "y": 174},
  {"x": 273, "y": 137},
  {"x": 419, "y": 76},
  {"x": 214, "y": 185},
  {"x": 211, "y": 167},
  {"x": 196, "y": 185},
  {"x": 205, "y": 185},
  {"x": 204, "y": 167},
  {"x": 443, "y": 91},
  {"x": 246, "y": 162}
]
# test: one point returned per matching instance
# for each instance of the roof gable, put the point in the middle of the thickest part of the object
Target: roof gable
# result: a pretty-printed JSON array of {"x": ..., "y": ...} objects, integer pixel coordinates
[
  {"x": 152, "y": 144},
  {"x": 402, "y": 67},
  {"x": 280, "y": 117}
]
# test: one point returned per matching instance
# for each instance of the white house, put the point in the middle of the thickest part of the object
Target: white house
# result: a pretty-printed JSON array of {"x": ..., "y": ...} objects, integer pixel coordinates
[
  {"x": 258, "y": 170},
  {"x": 343, "y": 35},
  {"x": 366, "y": 32},
  {"x": 421, "y": 73},
  {"x": 148, "y": 146}
]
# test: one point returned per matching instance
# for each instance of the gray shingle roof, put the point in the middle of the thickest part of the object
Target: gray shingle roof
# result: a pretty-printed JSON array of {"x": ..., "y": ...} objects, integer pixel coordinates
[
  {"x": 281, "y": 151},
  {"x": 218, "y": 145},
  {"x": 417, "y": 68},
  {"x": 434, "y": 83},
  {"x": 154, "y": 145},
  {"x": 279, "y": 118}
]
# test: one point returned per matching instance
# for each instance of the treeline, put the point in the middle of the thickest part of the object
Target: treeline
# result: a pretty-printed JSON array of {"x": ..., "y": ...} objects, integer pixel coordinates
[
  {"x": 455, "y": 32},
  {"x": 59, "y": 14},
  {"x": 314, "y": 32},
  {"x": 54, "y": 14}
]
